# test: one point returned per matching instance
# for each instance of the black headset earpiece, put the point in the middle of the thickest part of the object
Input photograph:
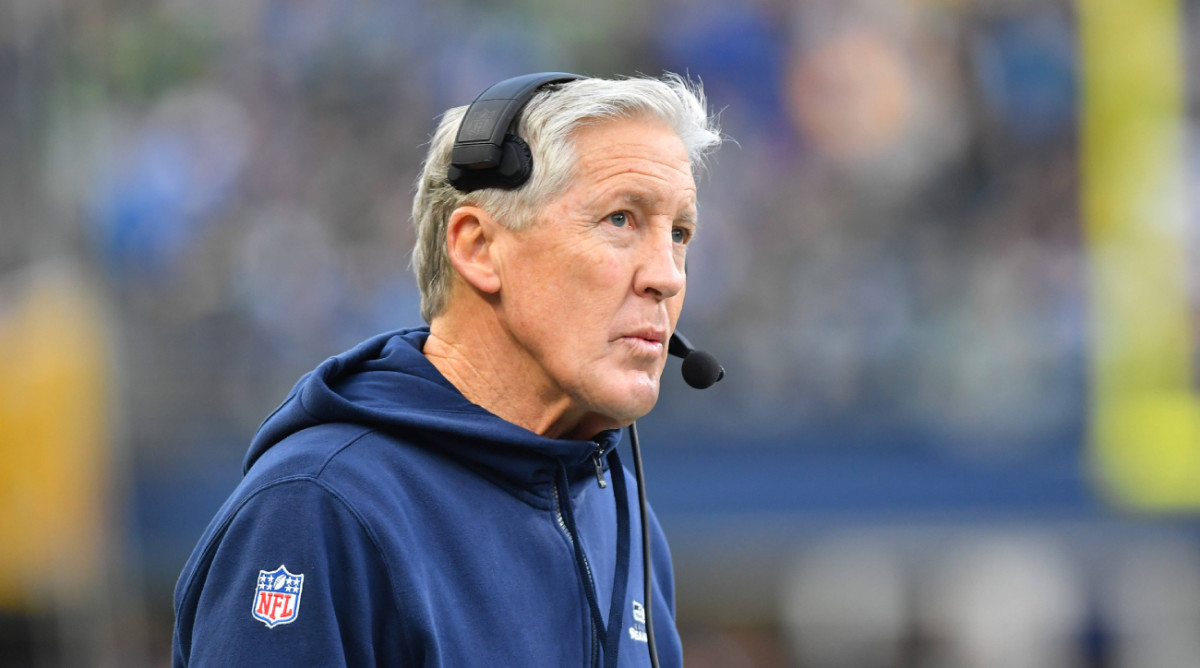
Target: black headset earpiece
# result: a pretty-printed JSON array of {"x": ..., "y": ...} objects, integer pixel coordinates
[{"x": 487, "y": 151}]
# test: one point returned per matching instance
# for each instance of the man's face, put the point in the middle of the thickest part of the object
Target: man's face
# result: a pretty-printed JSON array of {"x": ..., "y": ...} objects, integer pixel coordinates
[{"x": 592, "y": 290}]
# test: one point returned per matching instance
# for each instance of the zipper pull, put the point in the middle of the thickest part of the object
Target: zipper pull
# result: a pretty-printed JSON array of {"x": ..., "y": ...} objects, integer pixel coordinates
[{"x": 598, "y": 460}]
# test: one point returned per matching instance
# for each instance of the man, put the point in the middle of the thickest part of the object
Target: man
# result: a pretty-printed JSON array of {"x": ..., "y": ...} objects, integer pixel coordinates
[{"x": 452, "y": 495}]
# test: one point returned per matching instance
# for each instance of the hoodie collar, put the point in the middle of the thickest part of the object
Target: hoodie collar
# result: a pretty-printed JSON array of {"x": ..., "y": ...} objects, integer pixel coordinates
[{"x": 387, "y": 383}]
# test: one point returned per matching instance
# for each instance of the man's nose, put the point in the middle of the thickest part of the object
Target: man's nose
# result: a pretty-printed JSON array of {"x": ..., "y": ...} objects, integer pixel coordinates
[{"x": 660, "y": 269}]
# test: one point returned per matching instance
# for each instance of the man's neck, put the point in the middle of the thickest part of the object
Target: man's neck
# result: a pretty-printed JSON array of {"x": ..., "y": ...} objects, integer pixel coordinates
[{"x": 480, "y": 358}]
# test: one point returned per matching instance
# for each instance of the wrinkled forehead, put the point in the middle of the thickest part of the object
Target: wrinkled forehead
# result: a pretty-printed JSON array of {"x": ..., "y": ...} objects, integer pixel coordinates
[{"x": 618, "y": 139}]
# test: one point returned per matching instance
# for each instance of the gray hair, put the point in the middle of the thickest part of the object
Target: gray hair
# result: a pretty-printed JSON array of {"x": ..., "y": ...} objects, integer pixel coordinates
[{"x": 548, "y": 124}]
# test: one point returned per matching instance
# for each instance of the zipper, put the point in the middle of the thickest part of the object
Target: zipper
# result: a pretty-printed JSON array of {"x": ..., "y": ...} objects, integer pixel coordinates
[
  {"x": 598, "y": 460},
  {"x": 591, "y": 583}
]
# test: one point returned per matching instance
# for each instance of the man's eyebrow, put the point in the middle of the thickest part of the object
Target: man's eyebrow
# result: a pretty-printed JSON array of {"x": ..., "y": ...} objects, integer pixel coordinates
[
  {"x": 688, "y": 215},
  {"x": 641, "y": 199}
]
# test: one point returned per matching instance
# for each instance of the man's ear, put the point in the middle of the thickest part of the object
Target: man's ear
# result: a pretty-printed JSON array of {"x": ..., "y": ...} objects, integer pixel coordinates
[{"x": 469, "y": 235}]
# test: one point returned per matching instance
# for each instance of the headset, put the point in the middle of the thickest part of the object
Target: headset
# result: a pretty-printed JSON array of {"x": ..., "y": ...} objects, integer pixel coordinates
[{"x": 488, "y": 153}]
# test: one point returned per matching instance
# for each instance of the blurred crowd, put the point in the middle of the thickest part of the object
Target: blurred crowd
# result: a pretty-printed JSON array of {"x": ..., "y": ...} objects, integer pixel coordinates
[
  {"x": 890, "y": 256},
  {"x": 890, "y": 236}
]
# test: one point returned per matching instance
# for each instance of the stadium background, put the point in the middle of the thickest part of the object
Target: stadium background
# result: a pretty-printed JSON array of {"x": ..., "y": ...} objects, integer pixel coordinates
[{"x": 944, "y": 258}]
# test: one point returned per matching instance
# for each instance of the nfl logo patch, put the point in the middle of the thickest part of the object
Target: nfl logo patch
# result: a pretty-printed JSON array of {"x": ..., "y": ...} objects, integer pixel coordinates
[{"x": 277, "y": 596}]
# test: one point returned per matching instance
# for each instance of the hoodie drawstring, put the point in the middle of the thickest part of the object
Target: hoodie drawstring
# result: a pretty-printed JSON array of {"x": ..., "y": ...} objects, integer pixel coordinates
[{"x": 616, "y": 613}]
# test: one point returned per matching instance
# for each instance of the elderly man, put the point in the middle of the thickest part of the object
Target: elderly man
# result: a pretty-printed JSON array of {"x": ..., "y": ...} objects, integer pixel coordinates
[{"x": 452, "y": 495}]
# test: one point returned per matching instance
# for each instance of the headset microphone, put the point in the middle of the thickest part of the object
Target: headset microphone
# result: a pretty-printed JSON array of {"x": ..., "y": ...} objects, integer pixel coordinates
[{"x": 700, "y": 369}]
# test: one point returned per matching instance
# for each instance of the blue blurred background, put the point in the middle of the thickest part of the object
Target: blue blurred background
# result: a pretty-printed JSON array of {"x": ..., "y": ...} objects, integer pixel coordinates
[{"x": 201, "y": 201}]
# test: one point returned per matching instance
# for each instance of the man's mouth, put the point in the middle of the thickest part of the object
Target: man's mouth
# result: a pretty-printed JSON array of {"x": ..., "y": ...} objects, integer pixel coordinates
[{"x": 649, "y": 339}]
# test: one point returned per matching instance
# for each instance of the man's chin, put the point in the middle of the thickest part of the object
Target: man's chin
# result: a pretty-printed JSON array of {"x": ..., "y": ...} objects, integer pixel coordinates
[
  {"x": 625, "y": 398},
  {"x": 634, "y": 400}
]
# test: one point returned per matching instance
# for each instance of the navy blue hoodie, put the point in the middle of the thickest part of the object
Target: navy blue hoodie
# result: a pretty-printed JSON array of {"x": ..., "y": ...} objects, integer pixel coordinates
[{"x": 386, "y": 520}]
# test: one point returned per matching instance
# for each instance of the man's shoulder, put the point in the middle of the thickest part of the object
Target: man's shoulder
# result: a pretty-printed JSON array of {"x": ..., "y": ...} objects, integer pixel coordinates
[
  {"x": 310, "y": 450},
  {"x": 357, "y": 463},
  {"x": 301, "y": 480},
  {"x": 329, "y": 452}
]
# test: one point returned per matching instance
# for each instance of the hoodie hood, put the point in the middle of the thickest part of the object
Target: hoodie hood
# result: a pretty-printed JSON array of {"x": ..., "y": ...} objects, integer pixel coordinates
[{"x": 386, "y": 383}]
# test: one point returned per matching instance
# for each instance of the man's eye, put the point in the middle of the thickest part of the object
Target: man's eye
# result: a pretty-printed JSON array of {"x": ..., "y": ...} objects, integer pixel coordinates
[
  {"x": 679, "y": 235},
  {"x": 618, "y": 219}
]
